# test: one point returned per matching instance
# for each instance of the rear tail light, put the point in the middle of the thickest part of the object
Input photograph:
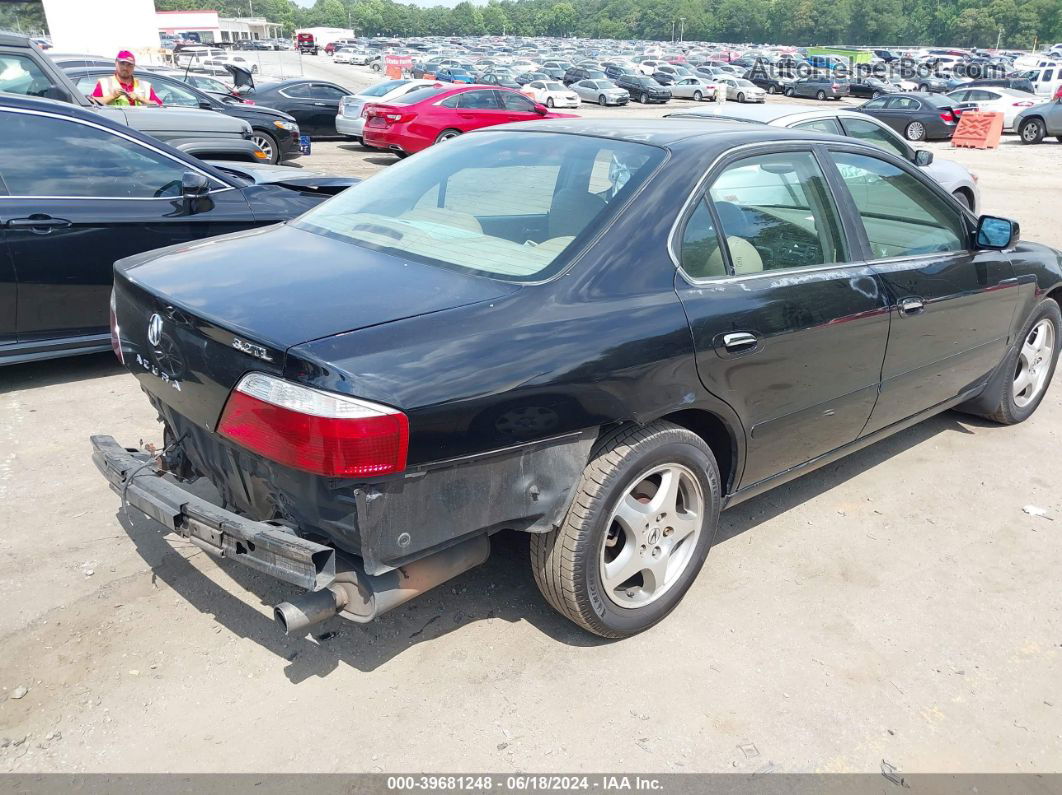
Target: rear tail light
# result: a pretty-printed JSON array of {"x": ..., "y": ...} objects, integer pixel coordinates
[
  {"x": 116, "y": 332},
  {"x": 319, "y": 432},
  {"x": 948, "y": 115}
]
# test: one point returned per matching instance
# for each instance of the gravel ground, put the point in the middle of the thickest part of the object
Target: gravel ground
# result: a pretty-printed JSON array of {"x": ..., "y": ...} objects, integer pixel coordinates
[{"x": 897, "y": 605}]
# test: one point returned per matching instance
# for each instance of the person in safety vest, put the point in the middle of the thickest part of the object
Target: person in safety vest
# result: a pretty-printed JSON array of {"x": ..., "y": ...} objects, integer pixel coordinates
[{"x": 122, "y": 88}]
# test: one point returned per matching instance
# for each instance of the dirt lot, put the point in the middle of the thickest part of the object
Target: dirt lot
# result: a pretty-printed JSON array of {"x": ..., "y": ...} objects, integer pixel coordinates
[{"x": 898, "y": 605}]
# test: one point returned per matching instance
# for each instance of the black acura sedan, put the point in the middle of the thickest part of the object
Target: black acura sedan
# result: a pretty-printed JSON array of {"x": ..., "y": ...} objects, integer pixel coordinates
[
  {"x": 78, "y": 192},
  {"x": 598, "y": 333},
  {"x": 313, "y": 103}
]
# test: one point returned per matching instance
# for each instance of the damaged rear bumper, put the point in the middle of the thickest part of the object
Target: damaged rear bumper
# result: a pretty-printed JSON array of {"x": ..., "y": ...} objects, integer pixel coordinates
[
  {"x": 337, "y": 583},
  {"x": 270, "y": 548}
]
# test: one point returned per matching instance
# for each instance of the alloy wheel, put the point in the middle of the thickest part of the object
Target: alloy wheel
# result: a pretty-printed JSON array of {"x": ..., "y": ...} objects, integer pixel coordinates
[
  {"x": 651, "y": 535},
  {"x": 916, "y": 131},
  {"x": 1034, "y": 363},
  {"x": 266, "y": 145}
]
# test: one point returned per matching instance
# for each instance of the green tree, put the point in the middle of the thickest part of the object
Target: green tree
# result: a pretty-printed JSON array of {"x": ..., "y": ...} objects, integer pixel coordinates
[{"x": 467, "y": 19}]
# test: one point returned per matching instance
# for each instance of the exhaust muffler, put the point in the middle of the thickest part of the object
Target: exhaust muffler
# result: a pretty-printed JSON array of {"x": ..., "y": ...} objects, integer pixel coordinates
[{"x": 361, "y": 597}]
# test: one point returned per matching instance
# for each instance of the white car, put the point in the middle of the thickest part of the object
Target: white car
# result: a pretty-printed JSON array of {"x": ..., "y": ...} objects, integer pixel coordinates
[
  {"x": 232, "y": 60},
  {"x": 1007, "y": 101},
  {"x": 695, "y": 88},
  {"x": 343, "y": 55},
  {"x": 349, "y": 120},
  {"x": 552, "y": 94},
  {"x": 740, "y": 89}
]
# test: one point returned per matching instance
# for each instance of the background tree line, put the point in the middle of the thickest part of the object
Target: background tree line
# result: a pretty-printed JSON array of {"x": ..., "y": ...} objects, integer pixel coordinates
[{"x": 965, "y": 23}]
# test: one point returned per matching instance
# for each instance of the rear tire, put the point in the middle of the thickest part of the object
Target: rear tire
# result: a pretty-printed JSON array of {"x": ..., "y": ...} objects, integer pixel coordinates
[
  {"x": 617, "y": 490},
  {"x": 1032, "y": 131},
  {"x": 697, "y": 96},
  {"x": 915, "y": 131},
  {"x": 963, "y": 199},
  {"x": 446, "y": 135},
  {"x": 1033, "y": 357}
]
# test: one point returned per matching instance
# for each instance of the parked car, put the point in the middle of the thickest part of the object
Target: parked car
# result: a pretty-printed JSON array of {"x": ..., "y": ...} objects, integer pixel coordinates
[
  {"x": 250, "y": 64},
  {"x": 25, "y": 70},
  {"x": 577, "y": 73},
  {"x": 1045, "y": 80},
  {"x": 871, "y": 87},
  {"x": 502, "y": 80},
  {"x": 917, "y": 116},
  {"x": 955, "y": 178},
  {"x": 940, "y": 84},
  {"x": 343, "y": 55},
  {"x": 314, "y": 104},
  {"x": 740, "y": 89},
  {"x": 695, "y": 88},
  {"x": 1038, "y": 121},
  {"x": 528, "y": 77},
  {"x": 454, "y": 74},
  {"x": 82, "y": 191},
  {"x": 600, "y": 333},
  {"x": 772, "y": 83},
  {"x": 350, "y": 122},
  {"x": 275, "y": 132},
  {"x": 434, "y": 114},
  {"x": 993, "y": 100},
  {"x": 195, "y": 55},
  {"x": 643, "y": 88},
  {"x": 603, "y": 92},
  {"x": 819, "y": 86},
  {"x": 305, "y": 180},
  {"x": 1016, "y": 83},
  {"x": 552, "y": 94}
]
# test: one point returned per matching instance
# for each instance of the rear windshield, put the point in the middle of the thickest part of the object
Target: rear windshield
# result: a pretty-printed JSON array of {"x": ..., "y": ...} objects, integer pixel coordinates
[
  {"x": 380, "y": 89},
  {"x": 413, "y": 97},
  {"x": 509, "y": 205}
]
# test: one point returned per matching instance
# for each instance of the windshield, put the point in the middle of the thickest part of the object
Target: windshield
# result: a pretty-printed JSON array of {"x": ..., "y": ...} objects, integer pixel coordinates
[
  {"x": 419, "y": 95},
  {"x": 380, "y": 89},
  {"x": 555, "y": 86},
  {"x": 509, "y": 205}
]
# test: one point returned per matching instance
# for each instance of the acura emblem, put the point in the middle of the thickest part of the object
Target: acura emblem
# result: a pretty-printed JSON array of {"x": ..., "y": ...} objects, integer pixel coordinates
[{"x": 154, "y": 330}]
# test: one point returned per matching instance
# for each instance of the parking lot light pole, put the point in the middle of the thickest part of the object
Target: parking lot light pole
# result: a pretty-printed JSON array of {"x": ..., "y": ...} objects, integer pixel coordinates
[{"x": 682, "y": 28}]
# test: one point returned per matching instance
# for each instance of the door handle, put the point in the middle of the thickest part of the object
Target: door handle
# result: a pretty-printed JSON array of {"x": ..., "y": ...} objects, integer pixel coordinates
[
  {"x": 911, "y": 306},
  {"x": 739, "y": 341},
  {"x": 321, "y": 104},
  {"x": 38, "y": 223}
]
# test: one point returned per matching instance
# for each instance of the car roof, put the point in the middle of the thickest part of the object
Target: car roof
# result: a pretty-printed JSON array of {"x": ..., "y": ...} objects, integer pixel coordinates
[
  {"x": 677, "y": 131},
  {"x": 764, "y": 113}
]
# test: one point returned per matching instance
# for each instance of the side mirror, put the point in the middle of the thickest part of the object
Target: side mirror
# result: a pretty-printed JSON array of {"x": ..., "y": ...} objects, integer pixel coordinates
[
  {"x": 193, "y": 185},
  {"x": 996, "y": 233},
  {"x": 205, "y": 105},
  {"x": 923, "y": 157},
  {"x": 541, "y": 109}
]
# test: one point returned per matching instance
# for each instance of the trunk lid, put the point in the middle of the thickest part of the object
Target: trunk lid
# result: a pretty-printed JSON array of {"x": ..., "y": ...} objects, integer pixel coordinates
[{"x": 195, "y": 317}]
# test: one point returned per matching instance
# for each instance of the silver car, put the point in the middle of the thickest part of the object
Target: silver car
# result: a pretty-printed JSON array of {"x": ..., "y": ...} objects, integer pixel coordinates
[
  {"x": 349, "y": 121},
  {"x": 603, "y": 92},
  {"x": 696, "y": 88},
  {"x": 953, "y": 177},
  {"x": 1038, "y": 121}
]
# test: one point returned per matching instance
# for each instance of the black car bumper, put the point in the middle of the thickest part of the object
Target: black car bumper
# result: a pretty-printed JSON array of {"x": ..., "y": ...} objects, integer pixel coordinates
[{"x": 270, "y": 548}]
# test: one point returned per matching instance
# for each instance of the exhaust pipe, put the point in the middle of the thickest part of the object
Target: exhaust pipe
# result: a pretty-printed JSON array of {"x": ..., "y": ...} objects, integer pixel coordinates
[{"x": 361, "y": 597}]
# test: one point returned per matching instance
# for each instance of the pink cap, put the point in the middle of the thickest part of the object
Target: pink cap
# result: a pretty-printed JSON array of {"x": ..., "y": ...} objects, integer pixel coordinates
[{"x": 125, "y": 55}]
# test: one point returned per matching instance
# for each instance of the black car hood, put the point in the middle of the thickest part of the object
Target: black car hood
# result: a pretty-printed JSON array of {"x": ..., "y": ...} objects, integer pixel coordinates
[
  {"x": 252, "y": 112},
  {"x": 282, "y": 286}
]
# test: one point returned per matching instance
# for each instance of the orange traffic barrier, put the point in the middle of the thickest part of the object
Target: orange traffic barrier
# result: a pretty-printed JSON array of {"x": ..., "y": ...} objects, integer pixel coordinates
[
  {"x": 394, "y": 72},
  {"x": 978, "y": 130}
]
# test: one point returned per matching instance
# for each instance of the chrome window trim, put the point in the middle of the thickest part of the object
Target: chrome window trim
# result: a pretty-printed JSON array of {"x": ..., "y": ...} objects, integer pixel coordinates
[{"x": 130, "y": 139}]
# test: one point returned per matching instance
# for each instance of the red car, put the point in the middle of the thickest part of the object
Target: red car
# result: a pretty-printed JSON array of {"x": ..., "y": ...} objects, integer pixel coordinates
[{"x": 431, "y": 114}]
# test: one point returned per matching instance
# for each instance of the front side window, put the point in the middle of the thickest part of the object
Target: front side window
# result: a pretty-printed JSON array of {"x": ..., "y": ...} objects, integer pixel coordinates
[
  {"x": 298, "y": 91},
  {"x": 46, "y": 156},
  {"x": 174, "y": 95},
  {"x": 19, "y": 75},
  {"x": 324, "y": 91},
  {"x": 776, "y": 213},
  {"x": 503, "y": 204},
  {"x": 901, "y": 215}
]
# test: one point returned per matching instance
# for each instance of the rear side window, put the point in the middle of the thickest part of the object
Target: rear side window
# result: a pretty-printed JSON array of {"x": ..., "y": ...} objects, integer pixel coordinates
[
  {"x": 820, "y": 125},
  {"x": 701, "y": 256},
  {"x": 901, "y": 216},
  {"x": 776, "y": 213}
]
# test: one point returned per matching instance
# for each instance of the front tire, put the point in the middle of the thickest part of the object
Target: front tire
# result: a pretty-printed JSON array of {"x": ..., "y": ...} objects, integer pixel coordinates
[
  {"x": 1032, "y": 131},
  {"x": 268, "y": 144},
  {"x": 1027, "y": 370},
  {"x": 637, "y": 533},
  {"x": 789, "y": 92},
  {"x": 741, "y": 96},
  {"x": 962, "y": 198},
  {"x": 821, "y": 96},
  {"x": 771, "y": 89},
  {"x": 602, "y": 101},
  {"x": 644, "y": 98},
  {"x": 549, "y": 102}
]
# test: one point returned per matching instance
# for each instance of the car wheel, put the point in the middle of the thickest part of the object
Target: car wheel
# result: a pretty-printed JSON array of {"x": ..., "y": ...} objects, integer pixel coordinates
[
  {"x": 789, "y": 92},
  {"x": 1059, "y": 137},
  {"x": 771, "y": 89},
  {"x": 254, "y": 68},
  {"x": 446, "y": 135},
  {"x": 923, "y": 87},
  {"x": 1013, "y": 395},
  {"x": 820, "y": 96},
  {"x": 549, "y": 102},
  {"x": 635, "y": 537},
  {"x": 962, "y": 198},
  {"x": 602, "y": 101},
  {"x": 644, "y": 98},
  {"x": 267, "y": 143},
  {"x": 697, "y": 96},
  {"x": 741, "y": 96},
  {"x": 915, "y": 131},
  {"x": 400, "y": 154},
  {"x": 875, "y": 95},
  {"x": 1031, "y": 131}
]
